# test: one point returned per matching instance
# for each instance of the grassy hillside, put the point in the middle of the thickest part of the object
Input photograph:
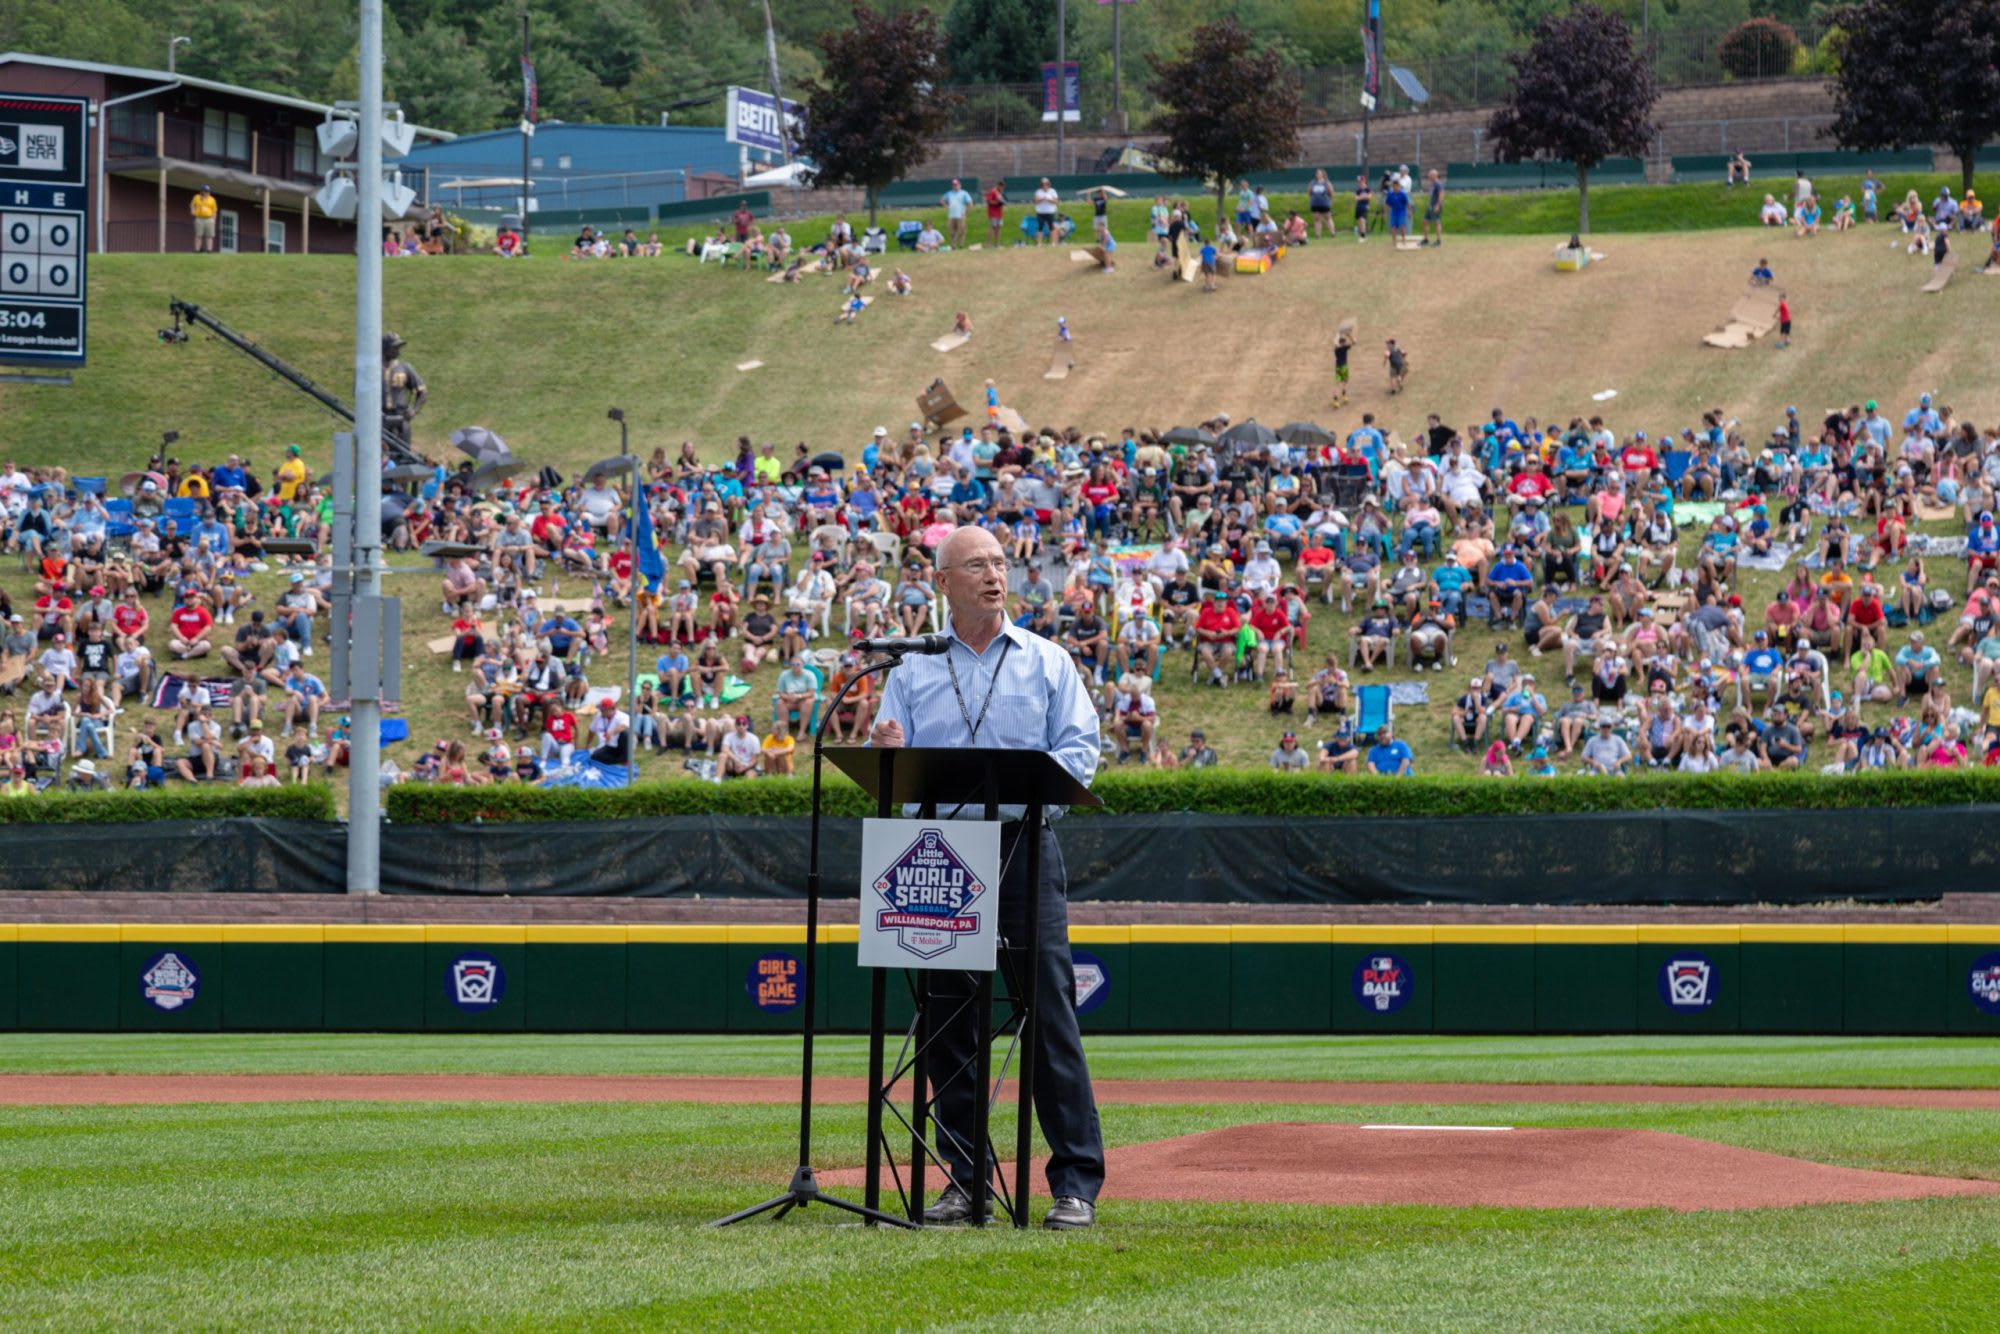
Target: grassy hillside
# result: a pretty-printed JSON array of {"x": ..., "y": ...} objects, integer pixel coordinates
[{"x": 538, "y": 350}]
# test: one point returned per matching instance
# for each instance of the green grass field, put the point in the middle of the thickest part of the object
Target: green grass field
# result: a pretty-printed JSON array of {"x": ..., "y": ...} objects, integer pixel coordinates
[{"x": 510, "y": 1215}]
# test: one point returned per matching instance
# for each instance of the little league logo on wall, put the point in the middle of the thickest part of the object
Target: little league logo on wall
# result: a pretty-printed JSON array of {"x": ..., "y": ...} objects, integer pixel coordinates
[
  {"x": 169, "y": 981},
  {"x": 773, "y": 982},
  {"x": 475, "y": 982},
  {"x": 928, "y": 893},
  {"x": 1688, "y": 983},
  {"x": 1985, "y": 983},
  {"x": 1093, "y": 980},
  {"x": 1382, "y": 984}
]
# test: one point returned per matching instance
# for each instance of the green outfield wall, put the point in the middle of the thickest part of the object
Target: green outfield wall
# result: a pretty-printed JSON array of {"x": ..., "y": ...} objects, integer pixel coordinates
[{"x": 1130, "y": 979}]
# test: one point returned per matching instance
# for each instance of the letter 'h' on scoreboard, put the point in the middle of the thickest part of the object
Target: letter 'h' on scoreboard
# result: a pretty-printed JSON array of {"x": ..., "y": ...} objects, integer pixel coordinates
[{"x": 43, "y": 188}]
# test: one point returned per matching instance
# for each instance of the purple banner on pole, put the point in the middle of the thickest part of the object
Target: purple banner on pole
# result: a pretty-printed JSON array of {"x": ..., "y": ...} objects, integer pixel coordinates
[{"x": 1066, "y": 92}]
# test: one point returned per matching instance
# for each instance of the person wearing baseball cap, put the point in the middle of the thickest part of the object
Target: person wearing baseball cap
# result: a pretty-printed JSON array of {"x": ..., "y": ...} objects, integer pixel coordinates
[
  {"x": 1288, "y": 758},
  {"x": 610, "y": 733}
]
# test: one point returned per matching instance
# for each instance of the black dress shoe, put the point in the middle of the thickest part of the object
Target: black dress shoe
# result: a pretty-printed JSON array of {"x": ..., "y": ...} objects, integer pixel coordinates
[
  {"x": 1068, "y": 1212},
  {"x": 954, "y": 1206}
]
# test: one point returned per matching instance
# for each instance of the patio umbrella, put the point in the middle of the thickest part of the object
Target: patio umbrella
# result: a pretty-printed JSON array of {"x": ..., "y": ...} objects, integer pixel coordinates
[
  {"x": 481, "y": 444},
  {"x": 408, "y": 472},
  {"x": 131, "y": 481},
  {"x": 498, "y": 470},
  {"x": 1248, "y": 435},
  {"x": 1305, "y": 433},
  {"x": 1188, "y": 435}
]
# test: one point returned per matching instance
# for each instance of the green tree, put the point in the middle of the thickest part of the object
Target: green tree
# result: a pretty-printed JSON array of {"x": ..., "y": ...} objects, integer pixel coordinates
[
  {"x": 1228, "y": 111},
  {"x": 1581, "y": 94},
  {"x": 1919, "y": 72},
  {"x": 106, "y": 30},
  {"x": 1003, "y": 41},
  {"x": 441, "y": 81},
  {"x": 880, "y": 105}
]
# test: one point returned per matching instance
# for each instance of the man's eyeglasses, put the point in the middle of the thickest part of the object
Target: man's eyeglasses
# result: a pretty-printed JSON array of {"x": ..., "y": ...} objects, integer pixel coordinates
[{"x": 994, "y": 564}]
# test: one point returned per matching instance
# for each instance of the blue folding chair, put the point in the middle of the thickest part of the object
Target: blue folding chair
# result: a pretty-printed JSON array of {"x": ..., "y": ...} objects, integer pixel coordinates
[
  {"x": 181, "y": 509},
  {"x": 1676, "y": 462},
  {"x": 1374, "y": 710},
  {"x": 88, "y": 486}
]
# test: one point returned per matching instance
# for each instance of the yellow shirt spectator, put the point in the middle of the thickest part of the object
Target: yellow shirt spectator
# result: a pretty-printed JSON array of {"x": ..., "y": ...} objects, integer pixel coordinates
[
  {"x": 291, "y": 474},
  {"x": 194, "y": 486},
  {"x": 203, "y": 205}
]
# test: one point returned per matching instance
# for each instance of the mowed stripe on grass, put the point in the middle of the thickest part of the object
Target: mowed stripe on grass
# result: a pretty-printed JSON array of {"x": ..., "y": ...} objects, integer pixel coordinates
[
  {"x": 1803, "y": 1062},
  {"x": 503, "y": 1215},
  {"x": 155, "y": 1090}
]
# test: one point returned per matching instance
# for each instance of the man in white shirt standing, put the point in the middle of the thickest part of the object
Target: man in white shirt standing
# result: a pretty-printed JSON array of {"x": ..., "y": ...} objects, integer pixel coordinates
[
  {"x": 1047, "y": 201},
  {"x": 956, "y": 201}
]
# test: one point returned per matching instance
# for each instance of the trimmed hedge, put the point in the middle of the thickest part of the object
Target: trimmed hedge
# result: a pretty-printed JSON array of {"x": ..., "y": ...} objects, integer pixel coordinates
[
  {"x": 303, "y": 801},
  {"x": 1242, "y": 792}
]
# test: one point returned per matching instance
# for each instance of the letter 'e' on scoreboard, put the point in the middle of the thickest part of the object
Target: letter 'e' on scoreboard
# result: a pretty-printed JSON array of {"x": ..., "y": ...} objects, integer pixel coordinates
[{"x": 44, "y": 183}]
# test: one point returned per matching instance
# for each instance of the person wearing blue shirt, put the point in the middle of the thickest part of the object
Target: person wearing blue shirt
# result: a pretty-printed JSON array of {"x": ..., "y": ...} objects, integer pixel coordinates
[
  {"x": 968, "y": 491},
  {"x": 1508, "y": 583},
  {"x": 1923, "y": 415},
  {"x": 1389, "y": 755},
  {"x": 1451, "y": 579},
  {"x": 1367, "y": 440},
  {"x": 212, "y": 535},
  {"x": 561, "y": 630},
  {"x": 672, "y": 669},
  {"x": 229, "y": 476},
  {"x": 871, "y": 454},
  {"x": 1285, "y": 531}
]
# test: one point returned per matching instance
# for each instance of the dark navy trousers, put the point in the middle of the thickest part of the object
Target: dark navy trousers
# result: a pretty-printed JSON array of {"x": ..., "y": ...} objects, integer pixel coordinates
[{"x": 1065, "y": 1107}]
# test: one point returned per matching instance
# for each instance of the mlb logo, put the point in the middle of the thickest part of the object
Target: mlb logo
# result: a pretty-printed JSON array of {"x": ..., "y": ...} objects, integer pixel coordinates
[{"x": 1382, "y": 983}]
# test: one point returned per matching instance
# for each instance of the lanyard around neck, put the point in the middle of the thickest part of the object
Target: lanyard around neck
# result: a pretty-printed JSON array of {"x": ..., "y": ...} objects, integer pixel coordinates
[{"x": 972, "y": 725}]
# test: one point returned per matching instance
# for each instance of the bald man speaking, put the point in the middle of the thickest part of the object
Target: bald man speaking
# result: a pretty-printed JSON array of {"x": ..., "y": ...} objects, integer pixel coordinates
[{"x": 999, "y": 685}]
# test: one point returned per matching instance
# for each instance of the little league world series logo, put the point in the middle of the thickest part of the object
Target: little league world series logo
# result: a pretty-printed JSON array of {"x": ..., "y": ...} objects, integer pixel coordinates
[
  {"x": 934, "y": 900},
  {"x": 1687, "y": 983},
  {"x": 169, "y": 982},
  {"x": 475, "y": 982}
]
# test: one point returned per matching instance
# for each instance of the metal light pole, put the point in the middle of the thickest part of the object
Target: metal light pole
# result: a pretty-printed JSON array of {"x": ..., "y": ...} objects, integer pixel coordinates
[
  {"x": 1117, "y": 53},
  {"x": 364, "y": 795},
  {"x": 527, "y": 128},
  {"x": 1062, "y": 78},
  {"x": 632, "y": 618},
  {"x": 173, "y": 43}
]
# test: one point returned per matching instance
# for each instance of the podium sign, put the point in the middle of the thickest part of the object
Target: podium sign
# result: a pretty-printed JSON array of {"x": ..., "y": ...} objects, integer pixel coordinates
[{"x": 930, "y": 894}]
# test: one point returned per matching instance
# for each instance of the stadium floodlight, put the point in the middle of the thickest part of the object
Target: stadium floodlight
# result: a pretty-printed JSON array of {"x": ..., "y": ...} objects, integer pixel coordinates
[
  {"x": 339, "y": 137},
  {"x": 398, "y": 136},
  {"x": 337, "y": 198},
  {"x": 397, "y": 199}
]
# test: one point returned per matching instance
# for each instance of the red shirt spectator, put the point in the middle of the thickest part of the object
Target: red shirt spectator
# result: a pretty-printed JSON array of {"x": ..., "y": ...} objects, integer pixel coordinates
[
  {"x": 1270, "y": 621},
  {"x": 996, "y": 205},
  {"x": 129, "y": 618},
  {"x": 1638, "y": 457},
  {"x": 191, "y": 623},
  {"x": 1218, "y": 620},
  {"x": 1536, "y": 484},
  {"x": 562, "y": 728},
  {"x": 548, "y": 528}
]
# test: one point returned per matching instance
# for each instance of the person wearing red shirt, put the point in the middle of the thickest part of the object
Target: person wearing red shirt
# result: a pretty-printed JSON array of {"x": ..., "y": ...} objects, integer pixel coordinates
[
  {"x": 558, "y": 735},
  {"x": 56, "y": 614},
  {"x": 129, "y": 621},
  {"x": 723, "y": 603},
  {"x": 1215, "y": 636},
  {"x": 191, "y": 622},
  {"x": 1531, "y": 483},
  {"x": 996, "y": 213},
  {"x": 1274, "y": 631},
  {"x": 548, "y": 527},
  {"x": 1638, "y": 460}
]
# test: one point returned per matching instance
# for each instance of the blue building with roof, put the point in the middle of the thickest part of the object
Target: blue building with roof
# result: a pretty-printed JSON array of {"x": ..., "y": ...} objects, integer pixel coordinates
[{"x": 574, "y": 166}]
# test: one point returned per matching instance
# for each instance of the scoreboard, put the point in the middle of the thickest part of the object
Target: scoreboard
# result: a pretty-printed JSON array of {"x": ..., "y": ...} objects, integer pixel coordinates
[{"x": 44, "y": 179}]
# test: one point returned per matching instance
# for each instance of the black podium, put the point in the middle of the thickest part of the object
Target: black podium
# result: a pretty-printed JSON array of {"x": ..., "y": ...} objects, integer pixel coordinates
[{"x": 953, "y": 781}]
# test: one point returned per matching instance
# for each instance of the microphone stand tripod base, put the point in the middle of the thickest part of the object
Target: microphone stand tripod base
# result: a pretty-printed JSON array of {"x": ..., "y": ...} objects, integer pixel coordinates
[{"x": 803, "y": 1191}]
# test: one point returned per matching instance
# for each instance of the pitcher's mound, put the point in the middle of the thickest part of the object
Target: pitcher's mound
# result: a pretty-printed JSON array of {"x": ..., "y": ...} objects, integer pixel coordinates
[
  {"x": 1312, "y": 1162},
  {"x": 1319, "y": 1163}
]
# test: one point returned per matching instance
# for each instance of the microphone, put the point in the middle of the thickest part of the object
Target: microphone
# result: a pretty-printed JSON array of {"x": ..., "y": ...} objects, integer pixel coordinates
[{"x": 898, "y": 645}]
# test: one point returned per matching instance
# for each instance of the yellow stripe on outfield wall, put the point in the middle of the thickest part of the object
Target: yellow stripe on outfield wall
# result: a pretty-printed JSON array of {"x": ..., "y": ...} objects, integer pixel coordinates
[
  {"x": 482, "y": 934},
  {"x": 1483, "y": 935},
  {"x": 70, "y": 933},
  {"x": 1400, "y": 934},
  {"x": 1894, "y": 934},
  {"x": 272, "y": 933},
  {"x": 1774, "y": 933},
  {"x": 767, "y": 934},
  {"x": 1280, "y": 935},
  {"x": 594, "y": 934},
  {"x": 1177, "y": 935},
  {"x": 1690, "y": 935},
  {"x": 1100, "y": 935},
  {"x": 707, "y": 933},
  {"x": 171, "y": 933},
  {"x": 375, "y": 933},
  {"x": 844, "y": 933},
  {"x": 1970, "y": 934},
  {"x": 1586, "y": 935}
]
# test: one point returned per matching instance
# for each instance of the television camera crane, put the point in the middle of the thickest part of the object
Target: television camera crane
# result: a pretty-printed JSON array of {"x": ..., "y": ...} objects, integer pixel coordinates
[{"x": 187, "y": 312}]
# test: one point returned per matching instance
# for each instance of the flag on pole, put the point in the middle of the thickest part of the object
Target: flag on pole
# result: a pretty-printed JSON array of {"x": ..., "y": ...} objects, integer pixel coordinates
[{"x": 651, "y": 564}]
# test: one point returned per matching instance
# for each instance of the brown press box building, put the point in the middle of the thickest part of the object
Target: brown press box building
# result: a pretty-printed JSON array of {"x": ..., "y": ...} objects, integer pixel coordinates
[{"x": 158, "y": 137}]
